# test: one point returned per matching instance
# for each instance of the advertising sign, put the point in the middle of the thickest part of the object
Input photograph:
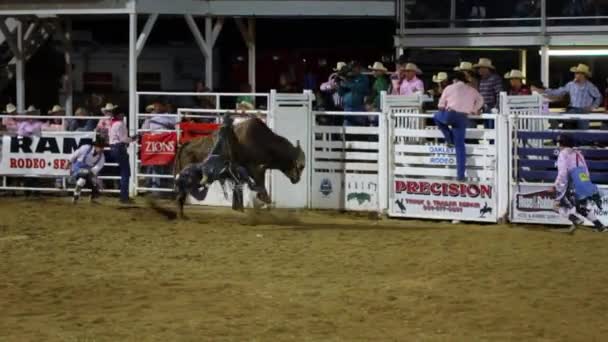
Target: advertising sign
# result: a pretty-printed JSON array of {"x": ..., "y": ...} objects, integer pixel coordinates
[
  {"x": 442, "y": 199},
  {"x": 535, "y": 204},
  {"x": 46, "y": 155}
]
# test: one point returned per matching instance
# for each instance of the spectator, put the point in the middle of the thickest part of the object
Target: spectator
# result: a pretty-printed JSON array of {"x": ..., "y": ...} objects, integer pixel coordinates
[
  {"x": 161, "y": 121},
  {"x": 584, "y": 96},
  {"x": 28, "y": 127},
  {"x": 517, "y": 87},
  {"x": 380, "y": 84},
  {"x": 158, "y": 123},
  {"x": 202, "y": 101},
  {"x": 245, "y": 102},
  {"x": 10, "y": 124},
  {"x": 490, "y": 84},
  {"x": 527, "y": 9},
  {"x": 331, "y": 87},
  {"x": 353, "y": 87},
  {"x": 285, "y": 86},
  {"x": 119, "y": 141},
  {"x": 103, "y": 126},
  {"x": 469, "y": 71},
  {"x": 458, "y": 101},
  {"x": 406, "y": 82},
  {"x": 81, "y": 125},
  {"x": 55, "y": 124},
  {"x": 578, "y": 8},
  {"x": 441, "y": 82}
]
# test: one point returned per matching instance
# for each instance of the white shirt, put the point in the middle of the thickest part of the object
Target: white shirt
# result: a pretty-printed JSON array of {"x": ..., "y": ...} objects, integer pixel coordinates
[
  {"x": 84, "y": 154},
  {"x": 160, "y": 123},
  {"x": 118, "y": 133}
]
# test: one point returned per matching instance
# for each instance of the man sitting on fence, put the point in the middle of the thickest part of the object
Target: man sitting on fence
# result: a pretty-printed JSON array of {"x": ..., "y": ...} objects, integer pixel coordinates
[
  {"x": 457, "y": 102},
  {"x": 575, "y": 193},
  {"x": 85, "y": 164}
]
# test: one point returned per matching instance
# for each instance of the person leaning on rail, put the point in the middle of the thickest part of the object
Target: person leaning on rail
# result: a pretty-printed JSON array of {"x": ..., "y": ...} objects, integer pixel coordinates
[
  {"x": 119, "y": 141},
  {"x": 584, "y": 96},
  {"x": 458, "y": 101}
]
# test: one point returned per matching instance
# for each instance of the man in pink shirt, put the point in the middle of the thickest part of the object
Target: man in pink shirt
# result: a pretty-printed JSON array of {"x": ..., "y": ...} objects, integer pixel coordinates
[
  {"x": 457, "y": 102},
  {"x": 406, "y": 82}
]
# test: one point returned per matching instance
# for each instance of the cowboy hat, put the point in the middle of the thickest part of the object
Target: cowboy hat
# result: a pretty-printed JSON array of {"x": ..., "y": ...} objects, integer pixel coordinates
[
  {"x": 150, "y": 108},
  {"x": 108, "y": 107},
  {"x": 412, "y": 67},
  {"x": 582, "y": 69},
  {"x": 484, "y": 63},
  {"x": 10, "y": 108},
  {"x": 339, "y": 66},
  {"x": 31, "y": 110},
  {"x": 464, "y": 66},
  {"x": 81, "y": 111},
  {"x": 440, "y": 77},
  {"x": 514, "y": 73},
  {"x": 378, "y": 66},
  {"x": 56, "y": 109},
  {"x": 244, "y": 105}
]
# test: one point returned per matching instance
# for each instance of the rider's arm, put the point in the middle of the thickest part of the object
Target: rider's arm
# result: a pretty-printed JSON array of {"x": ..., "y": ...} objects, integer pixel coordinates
[{"x": 97, "y": 167}]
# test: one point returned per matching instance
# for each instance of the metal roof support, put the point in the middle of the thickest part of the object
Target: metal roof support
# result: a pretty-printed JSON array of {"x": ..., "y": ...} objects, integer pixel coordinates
[
  {"x": 133, "y": 98},
  {"x": 68, "y": 83},
  {"x": 143, "y": 36},
  {"x": 20, "y": 69},
  {"x": 11, "y": 38},
  {"x": 544, "y": 65},
  {"x": 248, "y": 33},
  {"x": 212, "y": 32}
]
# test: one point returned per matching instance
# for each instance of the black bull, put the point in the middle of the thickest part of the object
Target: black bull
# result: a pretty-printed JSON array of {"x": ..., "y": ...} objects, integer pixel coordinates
[{"x": 257, "y": 149}]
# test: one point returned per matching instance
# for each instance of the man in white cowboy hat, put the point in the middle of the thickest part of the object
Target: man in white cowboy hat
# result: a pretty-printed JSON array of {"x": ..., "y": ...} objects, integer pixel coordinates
[
  {"x": 9, "y": 124},
  {"x": 55, "y": 124},
  {"x": 490, "y": 84},
  {"x": 517, "y": 86},
  {"x": 29, "y": 127},
  {"x": 469, "y": 71},
  {"x": 458, "y": 102},
  {"x": 331, "y": 87},
  {"x": 406, "y": 82},
  {"x": 441, "y": 81},
  {"x": 380, "y": 84},
  {"x": 82, "y": 125},
  {"x": 104, "y": 124},
  {"x": 584, "y": 95}
]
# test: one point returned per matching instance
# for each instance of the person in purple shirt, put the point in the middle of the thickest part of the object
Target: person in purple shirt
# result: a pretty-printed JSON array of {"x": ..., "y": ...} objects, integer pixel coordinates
[{"x": 576, "y": 196}]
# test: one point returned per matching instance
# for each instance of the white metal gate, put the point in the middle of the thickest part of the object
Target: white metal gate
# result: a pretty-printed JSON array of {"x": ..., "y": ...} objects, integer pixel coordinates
[{"x": 422, "y": 168}]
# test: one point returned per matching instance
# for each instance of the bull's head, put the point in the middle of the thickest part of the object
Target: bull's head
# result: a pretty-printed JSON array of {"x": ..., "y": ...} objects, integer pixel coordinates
[{"x": 293, "y": 171}]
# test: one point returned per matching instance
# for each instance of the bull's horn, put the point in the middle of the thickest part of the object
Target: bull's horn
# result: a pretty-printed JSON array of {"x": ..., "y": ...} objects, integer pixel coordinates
[{"x": 297, "y": 143}]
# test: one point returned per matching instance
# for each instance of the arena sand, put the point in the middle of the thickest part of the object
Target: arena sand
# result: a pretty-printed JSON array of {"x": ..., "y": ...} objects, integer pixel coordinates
[{"x": 98, "y": 273}]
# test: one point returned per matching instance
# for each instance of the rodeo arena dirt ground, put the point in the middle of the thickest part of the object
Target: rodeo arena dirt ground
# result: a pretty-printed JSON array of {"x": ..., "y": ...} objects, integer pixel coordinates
[{"x": 103, "y": 273}]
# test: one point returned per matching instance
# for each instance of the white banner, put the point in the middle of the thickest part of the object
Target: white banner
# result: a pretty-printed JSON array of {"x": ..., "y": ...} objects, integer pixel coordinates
[
  {"x": 441, "y": 199},
  {"x": 535, "y": 204},
  {"x": 47, "y": 155}
]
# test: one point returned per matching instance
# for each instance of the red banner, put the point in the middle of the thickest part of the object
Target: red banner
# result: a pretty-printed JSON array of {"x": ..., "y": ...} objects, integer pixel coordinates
[
  {"x": 191, "y": 130},
  {"x": 158, "y": 148}
]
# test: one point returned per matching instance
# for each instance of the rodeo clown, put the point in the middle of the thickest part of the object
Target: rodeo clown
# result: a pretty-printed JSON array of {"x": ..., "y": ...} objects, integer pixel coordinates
[
  {"x": 85, "y": 164},
  {"x": 575, "y": 193},
  {"x": 219, "y": 166}
]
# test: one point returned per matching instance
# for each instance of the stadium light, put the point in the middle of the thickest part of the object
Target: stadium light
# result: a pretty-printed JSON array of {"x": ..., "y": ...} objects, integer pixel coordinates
[{"x": 577, "y": 53}]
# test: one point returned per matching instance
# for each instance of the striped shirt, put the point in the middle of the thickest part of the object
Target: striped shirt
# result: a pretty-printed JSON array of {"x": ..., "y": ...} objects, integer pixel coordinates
[
  {"x": 490, "y": 88},
  {"x": 582, "y": 95}
]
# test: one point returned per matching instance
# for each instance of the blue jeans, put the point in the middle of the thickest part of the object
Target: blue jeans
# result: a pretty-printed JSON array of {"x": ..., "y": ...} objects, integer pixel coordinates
[
  {"x": 120, "y": 155},
  {"x": 454, "y": 125}
]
